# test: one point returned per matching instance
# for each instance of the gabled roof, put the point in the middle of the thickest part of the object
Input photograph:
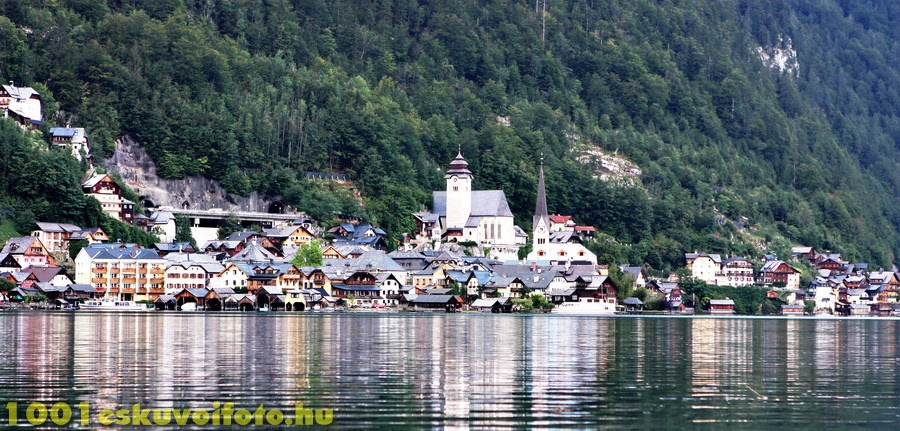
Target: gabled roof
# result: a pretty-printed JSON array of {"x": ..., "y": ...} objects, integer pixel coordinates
[
  {"x": 485, "y": 203},
  {"x": 772, "y": 265},
  {"x": 254, "y": 253},
  {"x": 370, "y": 260},
  {"x": 82, "y": 288},
  {"x": 284, "y": 231},
  {"x": 57, "y": 227},
  {"x": 635, "y": 271},
  {"x": 44, "y": 274},
  {"x": 96, "y": 178},
  {"x": 434, "y": 299},
  {"x": 715, "y": 257},
  {"x": 173, "y": 246},
  {"x": 18, "y": 245},
  {"x": 241, "y": 236}
]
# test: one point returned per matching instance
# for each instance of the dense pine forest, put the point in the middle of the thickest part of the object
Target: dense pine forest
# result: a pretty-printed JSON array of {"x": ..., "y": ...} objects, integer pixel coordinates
[{"x": 735, "y": 156}]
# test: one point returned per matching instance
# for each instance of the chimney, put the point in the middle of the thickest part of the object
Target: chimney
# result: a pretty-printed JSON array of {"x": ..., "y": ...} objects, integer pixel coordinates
[{"x": 533, "y": 266}]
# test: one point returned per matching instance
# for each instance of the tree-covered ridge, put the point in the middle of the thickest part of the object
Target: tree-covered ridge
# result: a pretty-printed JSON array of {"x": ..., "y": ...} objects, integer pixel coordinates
[{"x": 254, "y": 92}]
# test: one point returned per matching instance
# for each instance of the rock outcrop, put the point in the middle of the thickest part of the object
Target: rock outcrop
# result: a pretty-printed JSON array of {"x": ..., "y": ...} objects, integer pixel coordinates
[{"x": 138, "y": 170}]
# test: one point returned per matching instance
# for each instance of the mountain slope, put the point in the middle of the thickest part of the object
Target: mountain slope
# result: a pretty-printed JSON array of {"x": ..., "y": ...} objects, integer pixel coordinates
[{"x": 254, "y": 92}]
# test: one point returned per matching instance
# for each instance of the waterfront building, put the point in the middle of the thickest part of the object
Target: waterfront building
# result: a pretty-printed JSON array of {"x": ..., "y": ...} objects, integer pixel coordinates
[
  {"x": 125, "y": 272},
  {"x": 721, "y": 306}
]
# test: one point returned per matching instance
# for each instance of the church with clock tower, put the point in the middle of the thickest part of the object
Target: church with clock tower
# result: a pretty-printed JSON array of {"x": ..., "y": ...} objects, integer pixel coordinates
[{"x": 460, "y": 214}]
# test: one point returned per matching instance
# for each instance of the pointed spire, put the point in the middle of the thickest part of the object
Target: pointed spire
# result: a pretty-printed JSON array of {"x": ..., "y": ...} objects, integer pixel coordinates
[{"x": 540, "y": 207}]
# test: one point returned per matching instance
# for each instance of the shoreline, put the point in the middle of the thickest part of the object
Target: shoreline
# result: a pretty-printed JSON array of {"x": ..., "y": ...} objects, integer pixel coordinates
[{"x": 396, "y": 313}]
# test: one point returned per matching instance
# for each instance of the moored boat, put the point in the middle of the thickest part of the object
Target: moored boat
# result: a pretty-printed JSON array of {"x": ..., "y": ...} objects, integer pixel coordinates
[
  {"x": 604, "y": 306},
  {"x": 109, "y": 304}
]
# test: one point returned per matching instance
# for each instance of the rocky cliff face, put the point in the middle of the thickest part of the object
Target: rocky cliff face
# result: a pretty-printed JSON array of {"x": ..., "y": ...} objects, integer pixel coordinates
[{"x": 196, "y": 192}]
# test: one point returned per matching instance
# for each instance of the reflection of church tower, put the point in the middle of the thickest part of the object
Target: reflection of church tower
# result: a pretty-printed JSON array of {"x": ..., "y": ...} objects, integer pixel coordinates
[
  {"x": 541, "y": 221},
  {"x": 459, "y": 193}
]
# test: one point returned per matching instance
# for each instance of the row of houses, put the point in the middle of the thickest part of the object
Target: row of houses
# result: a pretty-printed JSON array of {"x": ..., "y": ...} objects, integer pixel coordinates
[
  {"x": 840, "y": 287},
  {"x": 739, "y": 271}
]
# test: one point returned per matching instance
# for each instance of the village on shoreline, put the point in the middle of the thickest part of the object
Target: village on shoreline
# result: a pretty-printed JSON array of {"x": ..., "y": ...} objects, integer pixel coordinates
[{"x": 467, "y": 253}]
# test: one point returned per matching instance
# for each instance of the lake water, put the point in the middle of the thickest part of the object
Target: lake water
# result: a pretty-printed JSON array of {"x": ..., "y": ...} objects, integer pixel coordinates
[{"x": 466, "y": 371}]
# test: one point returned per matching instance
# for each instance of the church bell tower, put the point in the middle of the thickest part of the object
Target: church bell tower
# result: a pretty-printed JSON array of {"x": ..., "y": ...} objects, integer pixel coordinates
[{"x": 459, "y": 193}]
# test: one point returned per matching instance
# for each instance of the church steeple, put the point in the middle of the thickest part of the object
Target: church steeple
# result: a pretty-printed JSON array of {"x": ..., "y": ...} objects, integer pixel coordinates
[{"x": 541, "y": 221}]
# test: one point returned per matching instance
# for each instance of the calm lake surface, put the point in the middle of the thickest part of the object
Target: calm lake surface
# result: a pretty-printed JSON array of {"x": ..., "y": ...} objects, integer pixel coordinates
[{"x": 467, "y": 371}]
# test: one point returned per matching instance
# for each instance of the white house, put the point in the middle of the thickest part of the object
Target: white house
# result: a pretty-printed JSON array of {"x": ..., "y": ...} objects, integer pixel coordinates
[{"x": 704, "y": 266}]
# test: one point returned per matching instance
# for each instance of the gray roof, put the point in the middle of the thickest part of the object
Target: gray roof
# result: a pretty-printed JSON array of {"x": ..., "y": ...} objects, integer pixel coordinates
[
  {"x": 372, "y": 260},
  {"x": 84, "y": 288},
  {"x": 57, "y": 227},
  {"x": 633, "y": 301},
  {"x": 490, "y": 302},
  {"x": 18, "y": 245},
  {"x": 490, "y": 203},
  {"x": 119, "y": 251},
  {"x": 254, "y": 253},
  {"x": 715, "y": 257}
]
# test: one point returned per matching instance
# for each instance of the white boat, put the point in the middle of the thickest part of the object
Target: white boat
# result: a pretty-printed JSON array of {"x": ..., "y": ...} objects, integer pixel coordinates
[
  {"x": 607, "y": 306},
  {"x": 109, "y": 304},
  {"x": 189, "y": 306}
]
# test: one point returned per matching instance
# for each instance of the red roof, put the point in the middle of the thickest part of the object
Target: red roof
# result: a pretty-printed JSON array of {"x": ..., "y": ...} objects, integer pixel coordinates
[
  {"x": 585, "y": 229},
  {"x": 560, "y": 218}
]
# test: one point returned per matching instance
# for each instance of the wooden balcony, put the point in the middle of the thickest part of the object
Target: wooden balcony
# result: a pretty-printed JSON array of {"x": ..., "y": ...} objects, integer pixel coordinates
[
  {"x": 129, "y": 270},
  {"x": 101, "y": 270},
  {"x": 98, "y": 280},
  {"x": 131, "y": 280},
  {"x": 127, "y": 290},
  {"x": 143, "y": 280},
  {"x": 157, "y": 271},
  {"x": 114, "y": 270},
  {"x": 142, "y": 270},
  {"x": 157, "y": 290}
]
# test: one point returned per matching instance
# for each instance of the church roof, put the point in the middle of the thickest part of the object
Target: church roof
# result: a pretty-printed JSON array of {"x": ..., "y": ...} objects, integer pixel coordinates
[{"x": 485, "y": 203}]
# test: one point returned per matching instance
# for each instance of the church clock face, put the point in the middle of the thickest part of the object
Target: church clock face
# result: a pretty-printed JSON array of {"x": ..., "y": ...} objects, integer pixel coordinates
[{"x": 454, "y": 178}]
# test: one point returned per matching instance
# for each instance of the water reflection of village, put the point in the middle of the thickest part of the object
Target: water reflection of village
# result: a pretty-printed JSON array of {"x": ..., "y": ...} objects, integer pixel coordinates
[{"x": 459, "y": 372}]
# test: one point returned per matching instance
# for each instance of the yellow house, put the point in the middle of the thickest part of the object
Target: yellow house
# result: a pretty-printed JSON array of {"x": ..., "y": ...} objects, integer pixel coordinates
[
  {"x": 294, "y": 236},
  {"x": 294, "y": 300},
  {"x": 434, "y": 275}
]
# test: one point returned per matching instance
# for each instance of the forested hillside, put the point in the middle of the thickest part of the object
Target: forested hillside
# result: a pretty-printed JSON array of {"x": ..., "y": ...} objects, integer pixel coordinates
[{"x": 256, "y": 92}]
